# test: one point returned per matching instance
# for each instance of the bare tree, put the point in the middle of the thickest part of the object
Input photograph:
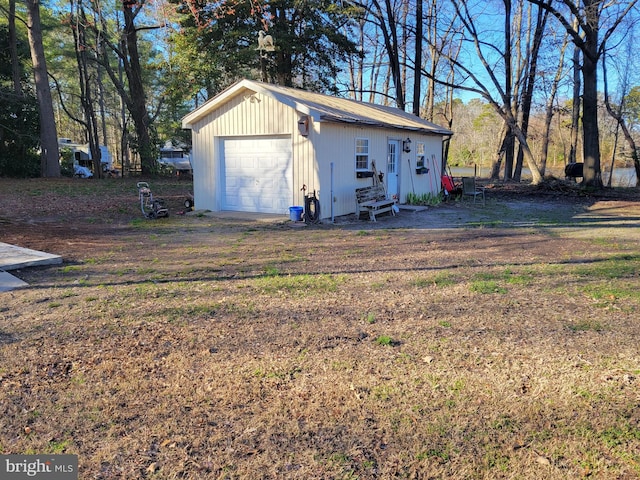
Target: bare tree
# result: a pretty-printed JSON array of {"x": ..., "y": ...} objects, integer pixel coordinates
[
  {"x": 549, "y": 109},
  {"x": 439, "y": 34},
  {"x": 133, "y": 91},
  {"x": 522, "y": 47},
  {"x": 507, "y": 95},
  {"x": 576, "y": 104},
  {"x": 417, "y": 62},
  {"x": 86, "y": 80},
  {"x": 585, "y": 34},
  {"x": 387, "y": 21},
  {"x": 530, "y": 66},
  {"x": 619, "y": 118},
  {"x": 472, "y": 81}
]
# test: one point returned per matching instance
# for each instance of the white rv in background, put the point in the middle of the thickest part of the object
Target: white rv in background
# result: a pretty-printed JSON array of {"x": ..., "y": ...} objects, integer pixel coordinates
[
  {"x": 82, "y": 156},
  {"x": 176, "y": 158}
]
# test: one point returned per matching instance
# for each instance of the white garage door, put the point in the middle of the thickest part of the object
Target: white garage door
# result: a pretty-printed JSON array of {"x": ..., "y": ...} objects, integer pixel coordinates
[{"x": 258, "y": 175}]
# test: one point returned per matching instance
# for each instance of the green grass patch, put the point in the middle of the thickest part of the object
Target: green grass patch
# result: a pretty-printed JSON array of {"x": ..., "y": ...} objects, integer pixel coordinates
[
  {"x": 507, "y": 276},
  {"x": 70, "y": 268},
  {"x": 271, "y": 271},
  {"x": 515, "y": 278},
  {"x": 439, "y": 454},
  {"x": 383, "y": 392},
  {"x": 487, "y": 287},
  {"x": 585, "y": 326},
  {"x": 300, "y": 284},
  {"x": 617, "y": 435},
  {"x": 618, "y": 266},
  {"x": 385, "y": 340},
  {"x": 370, "y": 318},
  {"x": 487, "y": 224},
  {"x": 611, "y": 291},
  {"x": 440, "y": 280}
]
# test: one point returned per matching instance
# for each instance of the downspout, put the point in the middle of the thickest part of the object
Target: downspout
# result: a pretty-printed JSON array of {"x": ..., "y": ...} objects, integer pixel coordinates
[
  {"x": 332, "y": 216},
  {"x": 445, "y": 153}
]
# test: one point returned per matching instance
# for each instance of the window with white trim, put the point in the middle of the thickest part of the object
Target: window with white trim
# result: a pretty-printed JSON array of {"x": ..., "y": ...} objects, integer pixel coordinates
[
  {"x": 420, "y": 155},
  {"x": 362, "y": 154}
]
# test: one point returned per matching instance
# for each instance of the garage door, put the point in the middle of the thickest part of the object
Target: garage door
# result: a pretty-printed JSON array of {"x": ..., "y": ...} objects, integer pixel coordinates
[{"x": 258, "y": 175}]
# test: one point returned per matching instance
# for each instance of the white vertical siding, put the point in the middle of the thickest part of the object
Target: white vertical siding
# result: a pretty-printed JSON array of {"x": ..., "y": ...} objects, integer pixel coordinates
[
  {"x": 425, "y": 183},
  {"x": 259, "y": 115},
  {"x": 337, "y": 145},
  {"x": 247, "y": 115}
]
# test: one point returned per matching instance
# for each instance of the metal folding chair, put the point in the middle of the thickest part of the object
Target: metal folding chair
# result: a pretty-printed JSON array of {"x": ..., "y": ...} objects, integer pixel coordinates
[{"x": 469, "y": 187}]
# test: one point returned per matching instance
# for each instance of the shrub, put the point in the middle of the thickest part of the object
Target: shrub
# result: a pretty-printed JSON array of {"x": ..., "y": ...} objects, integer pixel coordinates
[{"x": 423, "y": 199}]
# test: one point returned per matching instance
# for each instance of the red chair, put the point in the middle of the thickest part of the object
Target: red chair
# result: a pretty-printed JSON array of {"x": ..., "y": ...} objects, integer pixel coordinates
[
  {"x": 448, "y": 184},
  {"x": 450, "y": 187}
]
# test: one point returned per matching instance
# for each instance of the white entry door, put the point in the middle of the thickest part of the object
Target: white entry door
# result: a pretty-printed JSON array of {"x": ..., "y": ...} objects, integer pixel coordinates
[
  {"x": 257, "y": 175},
  {"x": 393, "y": 166}
]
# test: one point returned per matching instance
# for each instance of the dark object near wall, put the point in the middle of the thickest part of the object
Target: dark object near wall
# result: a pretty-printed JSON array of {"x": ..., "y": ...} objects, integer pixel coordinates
[
  {"x": 574, "y": 170},
  {"x": 364, "y": 174}
]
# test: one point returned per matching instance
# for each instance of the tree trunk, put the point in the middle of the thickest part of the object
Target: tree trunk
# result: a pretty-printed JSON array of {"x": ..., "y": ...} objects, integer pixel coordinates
[
  {"x": 527, "y": 99},
  {"x": 536, "y": 177},
  {"x": 497, "y": 164},
  {"x": 549, "y": 109},
  {"x": 137, "y": 98},
  {"x": 13, "y": 47},
  {"x": 508, "y": 147},
  {"x": 448, "y": 114},
  {"x": 622, "y": 124},
  {"x": 432, "y": 27},
  {"x": 575, "y": 110},
  {"x": 508, "y": 144},
  {"x": 591, "y": 137},
  {"x": 388, "y": 26},
  {"x": 86, "y": 88},
  {"x": 417, "y": 70},
  {"x": 636, "y": 163},
  {"x": 50, "y": 157},
  {"x": 101, "y": 91}
]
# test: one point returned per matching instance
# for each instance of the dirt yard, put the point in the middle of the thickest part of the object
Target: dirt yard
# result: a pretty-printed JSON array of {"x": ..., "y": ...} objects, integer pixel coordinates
[{"x": 461, "y": 341}]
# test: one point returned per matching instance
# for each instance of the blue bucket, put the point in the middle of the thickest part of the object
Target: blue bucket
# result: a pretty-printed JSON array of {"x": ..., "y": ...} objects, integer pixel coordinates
[{"x": 295, "y": 214}]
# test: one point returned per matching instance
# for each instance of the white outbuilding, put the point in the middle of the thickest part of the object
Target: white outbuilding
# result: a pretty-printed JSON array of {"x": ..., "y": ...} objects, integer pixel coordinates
[{"x": 258, "y": 147}]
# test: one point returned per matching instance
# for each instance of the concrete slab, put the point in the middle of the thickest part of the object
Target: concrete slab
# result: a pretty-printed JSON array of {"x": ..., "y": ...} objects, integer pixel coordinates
[
  {"x": 245, "y": 216},
  {"x": 413, "y": 208},
  {"x": 9, "y": 282},
  {"x": 12, "y": 258}
]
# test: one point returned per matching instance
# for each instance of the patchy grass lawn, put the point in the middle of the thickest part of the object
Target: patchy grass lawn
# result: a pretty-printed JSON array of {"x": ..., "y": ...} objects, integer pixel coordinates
[{"x": 206, "y": 347}]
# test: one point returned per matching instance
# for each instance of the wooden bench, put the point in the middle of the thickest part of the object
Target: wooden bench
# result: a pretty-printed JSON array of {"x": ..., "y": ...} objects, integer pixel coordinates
[{"x": 374, "y": 200}]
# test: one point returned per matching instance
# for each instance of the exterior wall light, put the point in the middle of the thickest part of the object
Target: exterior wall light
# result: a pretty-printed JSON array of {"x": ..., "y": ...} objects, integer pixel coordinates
[
  {"x": 303, "y": 125},
  {"x": 406, "y": 145}
]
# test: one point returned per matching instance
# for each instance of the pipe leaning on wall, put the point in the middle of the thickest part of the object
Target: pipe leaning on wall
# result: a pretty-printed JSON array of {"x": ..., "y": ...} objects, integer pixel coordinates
[{"x": 332, "y": 217}]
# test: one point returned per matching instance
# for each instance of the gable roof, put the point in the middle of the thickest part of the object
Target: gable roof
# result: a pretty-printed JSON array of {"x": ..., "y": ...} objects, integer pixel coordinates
[{"x": 322, "y": 108}]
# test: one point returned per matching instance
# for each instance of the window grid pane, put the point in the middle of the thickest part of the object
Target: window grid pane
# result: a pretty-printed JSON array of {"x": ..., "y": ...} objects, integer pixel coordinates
[
  {"x": 362, "y": 153},
  {"x": 391, "y": 158}
]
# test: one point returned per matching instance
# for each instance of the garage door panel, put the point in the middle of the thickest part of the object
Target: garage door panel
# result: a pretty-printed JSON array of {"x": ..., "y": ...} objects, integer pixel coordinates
[{"x": 258, "y": 175}]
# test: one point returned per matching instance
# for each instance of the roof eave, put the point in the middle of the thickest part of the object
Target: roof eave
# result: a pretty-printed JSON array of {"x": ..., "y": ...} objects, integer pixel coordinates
[
  {"x": 211, "y": 104},
  {"x": 371, "y": 123},
  {"x": 298, "y": 105},
  {"x": 203, "y": 110}
]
